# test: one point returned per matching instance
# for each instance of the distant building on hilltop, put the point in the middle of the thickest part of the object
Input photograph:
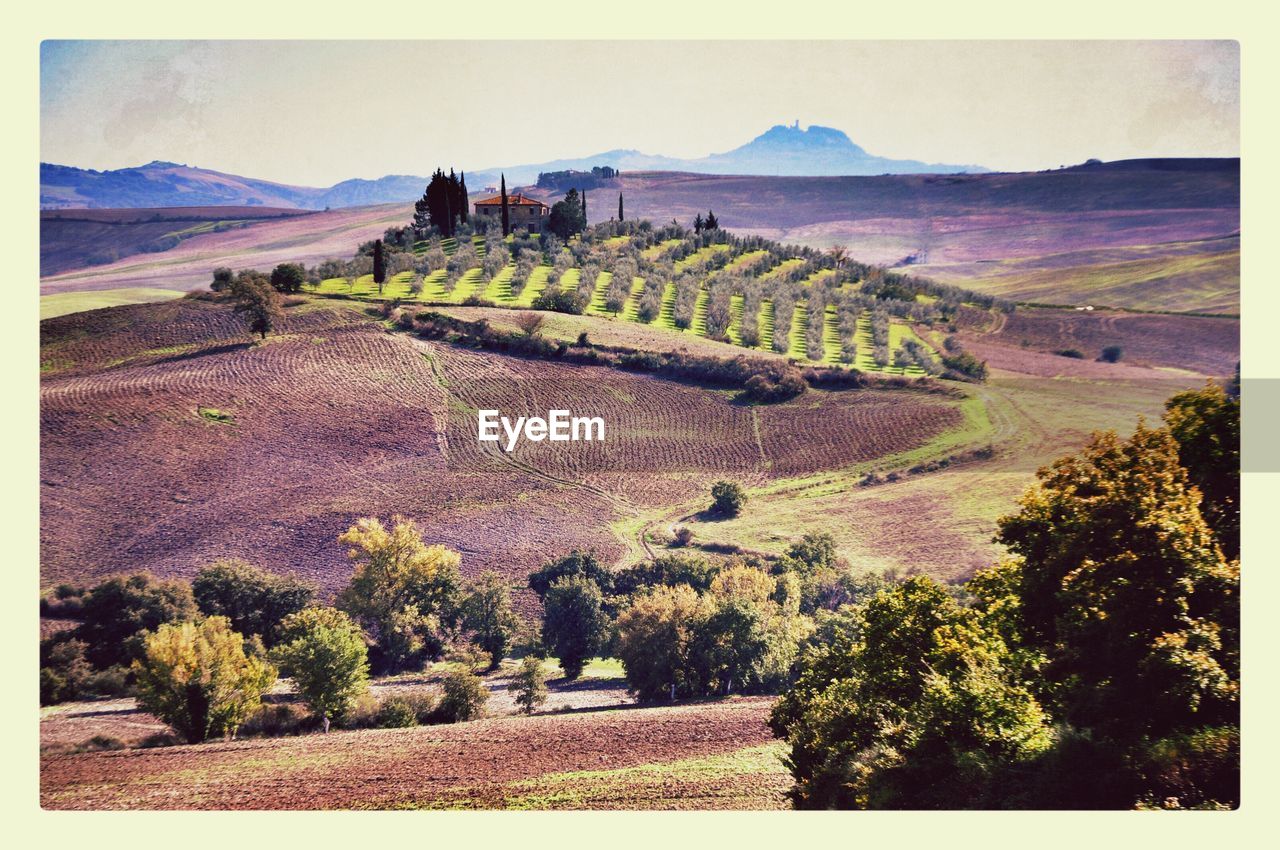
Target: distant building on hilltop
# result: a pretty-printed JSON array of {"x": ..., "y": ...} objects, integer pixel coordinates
[{"x": 523, "y": 211}]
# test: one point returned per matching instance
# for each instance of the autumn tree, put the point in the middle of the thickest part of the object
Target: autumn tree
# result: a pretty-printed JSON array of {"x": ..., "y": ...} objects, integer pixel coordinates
[
  {"x": 487, "y": 614},
  {"x": 1205, "y": 423},
  {"x": 324, "y": 653},
  {"x": 1118, "y": 582},
  {"x": 196, "y": 677},
  {"x": 404, "y": 592},
  {"x": 656, "y": 641}
]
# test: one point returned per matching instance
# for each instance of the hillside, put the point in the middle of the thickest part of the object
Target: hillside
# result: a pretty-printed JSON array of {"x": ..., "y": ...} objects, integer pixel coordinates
[
  {"x": 1108, "y": 234},
  {"x": 73, "y": 239},
  {"x": 170, "y": 184},
  {"x": 308, "y": 238}
]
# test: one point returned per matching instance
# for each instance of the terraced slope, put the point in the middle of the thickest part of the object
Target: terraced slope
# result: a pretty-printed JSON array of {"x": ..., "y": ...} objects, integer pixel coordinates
[
  {"x": 797, "y": 345},
  {"x": 766, "y": 325},
  {"x": 631, "y": 312}
]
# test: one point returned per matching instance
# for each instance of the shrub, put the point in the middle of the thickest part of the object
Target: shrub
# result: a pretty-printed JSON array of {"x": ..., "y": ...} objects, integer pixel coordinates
[
  {"x": 531, "y": 323},
  {"x": 728, "y": 498},
  {"x": 197, "y": 678},
  {"x": 396, "y": 713},
  {"x": 464, "y": 697},
  {"x": 683, "y": 535},
  {"x": 1074, "y": 353},
  {"x": 276, "y": 721},
  {"x": 1111, "y": 354},
  {"x": 530, "y": 684}
]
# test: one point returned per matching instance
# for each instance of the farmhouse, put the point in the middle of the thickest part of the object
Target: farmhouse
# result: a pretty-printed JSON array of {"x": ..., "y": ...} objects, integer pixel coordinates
[{"x": 523, "y": 211}]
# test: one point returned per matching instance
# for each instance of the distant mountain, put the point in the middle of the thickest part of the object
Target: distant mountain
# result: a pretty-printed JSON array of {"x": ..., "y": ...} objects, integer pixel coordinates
[
  {"x": 782, "y": 150},
  {"x": 168, "y": 184}
]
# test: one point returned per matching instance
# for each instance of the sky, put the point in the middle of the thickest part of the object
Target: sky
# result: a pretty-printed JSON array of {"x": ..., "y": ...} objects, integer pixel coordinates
[{"x": 317, "y": 112}]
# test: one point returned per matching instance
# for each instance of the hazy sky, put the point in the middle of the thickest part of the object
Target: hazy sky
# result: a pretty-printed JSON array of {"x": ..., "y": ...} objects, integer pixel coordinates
[{"x": 314, "y": 113}]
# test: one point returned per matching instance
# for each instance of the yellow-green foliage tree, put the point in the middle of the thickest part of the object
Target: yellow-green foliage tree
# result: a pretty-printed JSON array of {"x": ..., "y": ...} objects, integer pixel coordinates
[
  {"x": 656, "y": 635},
  {"x": 323, "y": 651},
  {"x": 404, "y": 592},
  {"x": 197, "y": 678}
]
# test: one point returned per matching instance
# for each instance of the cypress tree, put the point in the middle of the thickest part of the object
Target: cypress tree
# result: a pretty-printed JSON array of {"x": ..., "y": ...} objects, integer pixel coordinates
[
  {"x": 462, "y": 196},
  {"x": 506, "y": 212},
  {"x": 619, "y": 206},
  {"x": 584, "y": 209},
  {"x": 379, "y": 264}
]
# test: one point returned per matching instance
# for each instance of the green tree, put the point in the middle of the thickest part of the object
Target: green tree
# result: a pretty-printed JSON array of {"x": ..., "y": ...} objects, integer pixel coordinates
[
  {"x": 904, "y": 703},
  {"x": 712, "y": 223},
  {"x": 288, "y": 277},
  {"x": 197, "y": 678},
  {"x": 506, "y": 210},
  {"x": 222, "y": 277},
  {"x": 1118, "y": 582},
  {"x": 403, "y": 591},
  {"x": 573, "y": 622},
  {"x": 254, "y": 600},
  {"x": 567, "y": 216},
  {"x": 576, "y": 563},
  {"x": 1206, "y": 425},
  {"x": 379, "y": 263},
  {"x": 257, "y": 300},
  {"x": 728, "y": 498},
  {"x": 116, "y": 612},
  {"x": 530, "y": 684},
  {"x": 326, "y": 657},
  {"x": 487, "y": 613},
  {"x": 620, "y": 206}
]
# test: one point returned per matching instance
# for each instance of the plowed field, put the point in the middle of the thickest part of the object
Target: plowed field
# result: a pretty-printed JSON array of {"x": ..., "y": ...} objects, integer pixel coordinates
[
  {"x": 169, "y": 440},
  {"x": 711, "y": 755}
]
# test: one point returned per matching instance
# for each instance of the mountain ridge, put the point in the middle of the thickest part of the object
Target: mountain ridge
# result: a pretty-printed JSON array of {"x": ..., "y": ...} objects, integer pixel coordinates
[{"x": 781, "y": 150}]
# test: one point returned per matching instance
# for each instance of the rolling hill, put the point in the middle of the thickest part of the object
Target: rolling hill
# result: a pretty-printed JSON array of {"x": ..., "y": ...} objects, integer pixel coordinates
[{"x": 1141, "y": 234}]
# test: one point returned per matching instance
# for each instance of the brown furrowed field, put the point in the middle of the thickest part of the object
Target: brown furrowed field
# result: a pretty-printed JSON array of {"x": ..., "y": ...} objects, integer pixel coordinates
[
  {"x": 697, "y": 756},
  {"x": 168, "y": 441},
  {"x": 1200, "y": 344}
]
